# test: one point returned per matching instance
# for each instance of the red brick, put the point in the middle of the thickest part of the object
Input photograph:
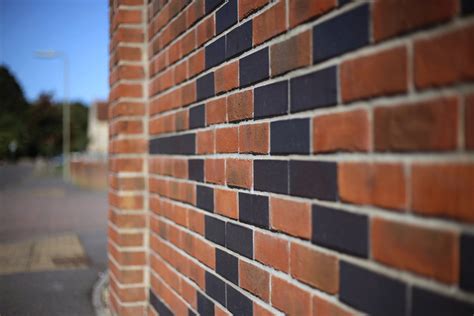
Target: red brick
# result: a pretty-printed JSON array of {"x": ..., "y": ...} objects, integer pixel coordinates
[
  {"x": 246, "y": 7},
  {"x": 239, "y": 173},
  {"x": 314, "y": 268},
  {"x": 373, "y": 75},
  {"x": 291, "y": 54},
  {"x": 269, "y": 23},
  {"x": 425, "y": 251},
  {"x": 127, "y": 109},
  {"x": 469, "y": 122},
  {"x": 291, "y": 217},
  {"x": 346, "y": 131},
  {"x": 254, "y": 138},
  {"x": 196, "y": 221},
  {"x": 128, "y": 53},
  {"x": 445, "y": 59},
  {"x": 215, "y": 171},
  {"x": 216, "y": 111},
  {"x": 227, "y": 140},
  {"x": 205, "y": 142},
  {"x": 290, "y": 299},
  {"x": 380, "y": 184},
  {"x": 227, "y": 77},
  {"x": 226, "y": 203},
  {"x": 443, "y": 190},
  {"x": 128, "y": 146},
  {"x": 254, "y": 280},
  {"x": 301, "y": 11},
  {"x": 205, "y": 30},
  {"x": 188, "y": 42},
  {"x": 426, "y": 125},
  {"x": 393, "y": 17},
  {"x": 240, "y": 106},
  {"x": 196, "y": 63},
  {"x": 325, "y": 307},
  {"x": 126, "y": 164},
  {"x": 126, "y": 127},
  {"x": 194, "y": 12},
  {"x": 271, "y": 251},
  {"x": 182, "y": 120},
  {"x": 180, "y": 72}
]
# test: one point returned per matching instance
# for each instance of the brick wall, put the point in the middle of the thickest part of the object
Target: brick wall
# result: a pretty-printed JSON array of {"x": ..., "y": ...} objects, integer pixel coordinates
[{"x": 292, "y": 156}]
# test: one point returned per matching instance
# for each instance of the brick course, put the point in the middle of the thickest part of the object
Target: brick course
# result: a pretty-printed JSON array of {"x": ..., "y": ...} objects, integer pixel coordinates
[{"x": 291, "y": 156}]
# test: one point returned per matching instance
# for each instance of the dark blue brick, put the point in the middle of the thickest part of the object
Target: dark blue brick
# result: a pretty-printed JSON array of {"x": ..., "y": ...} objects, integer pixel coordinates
[
  {"x": 425, "y": 302},
  {"x": 227, "y": 266},
  {"x": 205, "y": 305},
  {"x": 226, "y": 16},
  {"x": 239, "y": 40},
  {"x": 212, "y": 4},
  {"x": 205, "y": 86},
  {"x": 215, "y": 52},
  {"x": 341, "y": 34},
  {"x": 467, "y": 262},
  {"x": 174, "y": 145},
  {"x": 215, "y": 288},
  {"x": 315, "y": 90},
  {"x": 467, "y": 7},
  {"x": 253, "y": 209},
  {"x": 254, "y": 68},
  {"x": 215, "y": 230},
  {"x": 344, "y": 2},
  {"x": 158, "y": 305},
  {"x": 271, "y": 100},
  {"x": 205, "y": 198},
  {"x": 191, "y": 312},
  {"x": 196, "y": 169},
  {"x": 371, "y": 292},
  {"x": 289, "y": 137},
  {"x": 197, "y": 116},
  {"x": 270, "y": 176},
  {"x": 314, "y": 179},
  {"x": 343, "y": 231},
  {"x": 239, "y": 239},
  {"x": 237, "y": 303}
]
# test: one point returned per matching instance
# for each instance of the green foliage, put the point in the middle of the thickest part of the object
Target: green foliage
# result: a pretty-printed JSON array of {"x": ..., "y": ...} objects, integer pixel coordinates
[{"x": 36, "y": 128}]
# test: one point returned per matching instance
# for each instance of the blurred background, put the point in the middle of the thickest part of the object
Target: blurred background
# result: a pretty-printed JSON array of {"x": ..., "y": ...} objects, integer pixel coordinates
[{"x": 53, "y": 148}]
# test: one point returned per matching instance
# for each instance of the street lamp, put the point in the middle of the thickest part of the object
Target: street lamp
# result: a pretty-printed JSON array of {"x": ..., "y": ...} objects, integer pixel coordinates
[{"x": 52, "y": 54}]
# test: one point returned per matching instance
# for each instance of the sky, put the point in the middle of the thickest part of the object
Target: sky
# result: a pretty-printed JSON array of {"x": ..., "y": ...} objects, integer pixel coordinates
[{"x": 78, "y": 28}]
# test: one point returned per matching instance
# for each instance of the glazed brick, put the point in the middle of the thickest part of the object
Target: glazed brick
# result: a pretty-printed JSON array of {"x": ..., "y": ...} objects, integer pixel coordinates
[
  {"x": 215, "y": 230},
  {"x": 424, "y": 302},
  {"x": 253, "y": 209},
  {"x": 467, "y": 7},
  {"x": 254, "y": 68},
  {"x": 237, "y": 303},
  {"x": 314, "y": 179},
  {"x": 239, "y": 239},
  {"x": 205, "y": 86},
  {"x": 205, "y": 198},
  {"x": 239, "y": 40},
  {"x": 178, "y": 145},
  {"x": 331, "y": 38},
  {"x": 158, "y": 305},
  {"x": 215, "y": 52},
  {"x": 226, "y": 16},
  {"x": 212, "y": 4},
  {"x": 204, "y": 305},
  {"x": 271, "y": 100},
  {"x": 392, "y": 18},
  {"x": 227, "y": 266},
  {"x": 196, "y": 169},
  {"x": 315, "y": 90},
  {"x": 371, "y": 292},
  {"x": 430, "y": 252},
  {"x": 270, "y": 175},
  {"x": 340, "y": 230},
  {"x": 466, "y": 281},
  {"x": 289, "y": 137},
  {"x": 197, "y": 116},
  {"x": 215, "y": 288}
]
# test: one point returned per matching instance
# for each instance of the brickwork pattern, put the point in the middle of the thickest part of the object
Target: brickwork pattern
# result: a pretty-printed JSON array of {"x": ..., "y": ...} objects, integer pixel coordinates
[{"x": 292, "y": 157}]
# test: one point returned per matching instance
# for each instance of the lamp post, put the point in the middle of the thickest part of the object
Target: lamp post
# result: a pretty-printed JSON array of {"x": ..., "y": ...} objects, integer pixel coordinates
[{"x": 52, "y": 54}]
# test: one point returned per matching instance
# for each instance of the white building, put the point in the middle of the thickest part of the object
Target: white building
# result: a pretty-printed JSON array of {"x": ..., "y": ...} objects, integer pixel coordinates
[{"x": 98, "y": 130}]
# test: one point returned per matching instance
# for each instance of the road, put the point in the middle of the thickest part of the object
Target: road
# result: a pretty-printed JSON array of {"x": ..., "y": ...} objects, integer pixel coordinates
[{"x": 36, "y": 207}]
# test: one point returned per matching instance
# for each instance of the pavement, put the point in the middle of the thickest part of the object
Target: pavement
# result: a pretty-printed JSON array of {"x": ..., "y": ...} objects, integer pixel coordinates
[{"x": 56, "y": 235}]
